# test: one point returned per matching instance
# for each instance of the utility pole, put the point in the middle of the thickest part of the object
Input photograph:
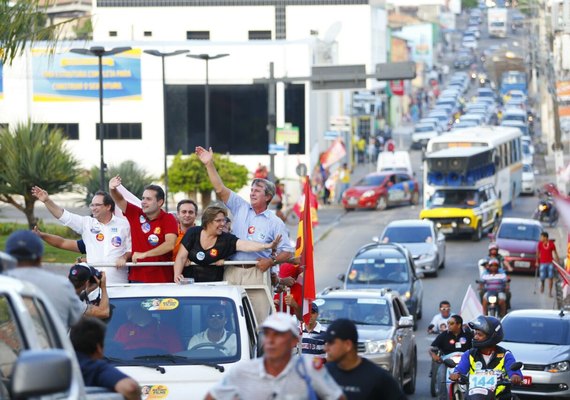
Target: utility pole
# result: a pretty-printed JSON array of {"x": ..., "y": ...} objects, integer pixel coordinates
[{"x": 271, "y": 117}]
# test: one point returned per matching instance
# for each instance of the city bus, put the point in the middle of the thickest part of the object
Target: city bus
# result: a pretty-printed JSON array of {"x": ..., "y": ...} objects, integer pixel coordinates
[{"x": 506, "y": 144}]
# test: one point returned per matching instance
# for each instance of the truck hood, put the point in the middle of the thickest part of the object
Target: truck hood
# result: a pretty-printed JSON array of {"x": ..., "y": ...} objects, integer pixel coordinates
[{"x": 446, "y": 212}]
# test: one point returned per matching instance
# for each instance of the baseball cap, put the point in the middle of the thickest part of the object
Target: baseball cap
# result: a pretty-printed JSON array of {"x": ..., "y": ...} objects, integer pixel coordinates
[
  {"x": 343, "y": 329},
  {"x": 314, "y": 307},
  {"x": 24, "y": 245},
  {"x": 79, "y": 272},
  {"x": 282, "y": 322}
]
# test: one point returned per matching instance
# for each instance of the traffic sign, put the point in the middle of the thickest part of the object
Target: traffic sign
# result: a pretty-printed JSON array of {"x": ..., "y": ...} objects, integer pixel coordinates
[
  {"x": 395, "y": 70},
  {"x": 287, "y": 134},
  {"x": 331, "y": 135},
  {"x": 301, "y": 169},
  {"x": 340, "y": 123},
  {"x": 277, "y": 148},
  {"x": 332, "y": 77}
]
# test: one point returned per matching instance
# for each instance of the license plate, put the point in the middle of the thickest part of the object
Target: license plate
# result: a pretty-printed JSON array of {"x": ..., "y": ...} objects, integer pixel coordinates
[
  {"x": 352, "y": 201},
  {"x": 526, "y": 381},
  {"x": 522, "y": 264},
  {"x": 446, "y": 230}
]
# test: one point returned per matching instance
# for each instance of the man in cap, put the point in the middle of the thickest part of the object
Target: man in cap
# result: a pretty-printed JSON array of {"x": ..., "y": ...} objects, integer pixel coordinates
[
  {"x": 278, "y": 374},
  {"x": 313, "y": 341},
  {"x": 357, "y": 376},
  {"x": 89, "y": 284},
  {"x": 27, "y": 248}
]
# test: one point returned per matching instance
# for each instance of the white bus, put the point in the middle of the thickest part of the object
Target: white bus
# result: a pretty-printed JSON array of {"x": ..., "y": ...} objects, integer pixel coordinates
[{"x": 508, "y": 157}]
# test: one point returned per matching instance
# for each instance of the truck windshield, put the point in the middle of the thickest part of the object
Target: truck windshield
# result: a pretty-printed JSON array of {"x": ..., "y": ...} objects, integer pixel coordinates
[
  {"x": 190, "y": 328},
  {"x": 442, "y": 198}
]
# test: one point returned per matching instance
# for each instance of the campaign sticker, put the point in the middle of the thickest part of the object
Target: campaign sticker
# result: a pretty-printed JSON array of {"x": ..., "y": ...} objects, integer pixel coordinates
[
  {"x": 251, "y": 230},
  {"x": 116, "y": 241},
  {"x": 153, "y": 240},
  {"x": 167, "y": 304},
  {"x": 114, "y": 230},
  {"x": 352, "y": 275},
  {"x": 154, "y": 392},
  {"x": 214, "y": 253},
  {"x": 95, "y": 229},
  {"x": 478, "y": 365},
  {"x": 99, "y": 237},
  {"x": 142, "y": 219},
  {"x": 145, "y": 227},
  {"x": 200, "y": 255},
  {"x": 157, "y": 230}
]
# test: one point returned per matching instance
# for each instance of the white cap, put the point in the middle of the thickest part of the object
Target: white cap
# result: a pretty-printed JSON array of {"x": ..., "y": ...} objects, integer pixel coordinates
[{"x": 282, "y": 322}]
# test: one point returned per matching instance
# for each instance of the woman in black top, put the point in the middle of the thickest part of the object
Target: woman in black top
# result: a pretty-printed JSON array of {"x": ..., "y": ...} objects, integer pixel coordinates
[{"x": 209, "y": 244}]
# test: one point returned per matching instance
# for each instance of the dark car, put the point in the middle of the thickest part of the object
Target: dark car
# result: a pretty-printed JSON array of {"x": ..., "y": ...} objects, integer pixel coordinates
[
  {"x": 463, "y": 59},
  {"x": 518, "y": 239},
  {"x": 380, "y": 190},
  {"x": 387, "y": 265}
]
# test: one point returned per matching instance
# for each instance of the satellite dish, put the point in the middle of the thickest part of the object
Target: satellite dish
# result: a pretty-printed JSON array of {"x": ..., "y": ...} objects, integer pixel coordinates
[{"x": 333, "y": 32}]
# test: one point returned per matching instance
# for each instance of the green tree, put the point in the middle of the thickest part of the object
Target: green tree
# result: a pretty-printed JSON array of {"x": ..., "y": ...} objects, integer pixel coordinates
[
  {"x": 134, "y": 178},
  {"x": 34, "y": 155},
  {"x": 23, "y": 22},
  {"x": 469, "y": 4},
  {"x": 84, "y": 29},
  {"x": 188, "y": 175}
]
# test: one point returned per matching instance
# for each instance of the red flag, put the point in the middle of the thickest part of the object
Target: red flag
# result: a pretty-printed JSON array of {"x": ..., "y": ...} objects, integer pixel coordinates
[
  {"x": 304, "y": 250},
  {"x": 334, "y": 153},
  {"x": 299, "y": 206},
  {"x": 565, "y": 276}
]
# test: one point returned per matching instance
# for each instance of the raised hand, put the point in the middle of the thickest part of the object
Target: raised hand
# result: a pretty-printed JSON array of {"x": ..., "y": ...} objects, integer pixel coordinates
[
  {"x": 39, "y": 194},
  {"x": 206, "y": 156},
  {"x": 275, "y": 243},
  {"x": 115, "y": 182}
]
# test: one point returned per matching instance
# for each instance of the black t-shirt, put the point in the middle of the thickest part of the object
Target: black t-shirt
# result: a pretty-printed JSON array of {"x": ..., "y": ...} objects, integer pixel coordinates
[
  {"x": 448, "y": 343},
  {"x": 224, "y": 247},
  {"x": 366, "y": 382}
]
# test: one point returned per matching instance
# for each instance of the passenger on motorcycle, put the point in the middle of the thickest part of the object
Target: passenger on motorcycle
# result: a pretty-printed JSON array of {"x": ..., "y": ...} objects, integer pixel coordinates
[
  {"x": 440, "y": 319},
  {"x": 455, "y": 339},
  {"x": 504, "y": 265},
  {"x": 486, "y": 355},
  {"x": 494, "y": 281}
]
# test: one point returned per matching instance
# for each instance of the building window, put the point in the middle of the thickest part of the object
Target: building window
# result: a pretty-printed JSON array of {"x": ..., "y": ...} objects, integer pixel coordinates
[
  {"x": 112, "y": 33},
  {"x": 148, "y": 33},
  {"x": 259, "y": 35},
  {"x": 198, "y": 35},
  {"x": 121, "y": 131},
  {"x": 69, "y": 131}
]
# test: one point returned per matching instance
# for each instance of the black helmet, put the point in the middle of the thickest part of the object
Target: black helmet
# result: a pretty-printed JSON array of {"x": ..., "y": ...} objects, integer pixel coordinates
[{"x": 491, "y": 326}]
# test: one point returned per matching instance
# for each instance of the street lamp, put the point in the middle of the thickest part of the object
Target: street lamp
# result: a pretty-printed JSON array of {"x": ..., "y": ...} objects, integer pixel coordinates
[
  {"x": 207, "y": 58},
  {"x": 100, "y": 52},
  {"x": 162, "y": 56}
]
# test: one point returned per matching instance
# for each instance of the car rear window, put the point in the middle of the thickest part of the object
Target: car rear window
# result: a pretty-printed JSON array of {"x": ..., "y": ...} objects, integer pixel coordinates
[
  {"x": 537, "y": 330},
  {"x": 519, "y": 232}
]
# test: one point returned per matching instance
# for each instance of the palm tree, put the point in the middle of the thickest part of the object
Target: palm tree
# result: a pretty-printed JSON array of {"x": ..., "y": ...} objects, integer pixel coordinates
[{"x": 32, "y": 155}]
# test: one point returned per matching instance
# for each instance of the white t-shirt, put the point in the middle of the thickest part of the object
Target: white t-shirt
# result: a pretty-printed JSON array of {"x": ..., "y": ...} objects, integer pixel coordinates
[
  {"x": 437, "y": 320},
  {"x": 248, "y": 380},
  {"x": 104, "y": 243},
  {"x": 230, "y": 343}
]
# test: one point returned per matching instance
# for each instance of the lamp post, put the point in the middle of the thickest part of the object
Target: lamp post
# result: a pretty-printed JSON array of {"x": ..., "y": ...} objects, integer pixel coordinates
[
  {"x": 100, "y": 52},
  {"x": 162, "y": 55},
  {"x": 207, "y": 58}
]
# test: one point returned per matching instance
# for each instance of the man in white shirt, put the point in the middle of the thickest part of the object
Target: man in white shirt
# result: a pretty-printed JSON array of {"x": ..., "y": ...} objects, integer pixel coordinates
[
  {"x": 216, "y": 334},
  {"x": 107, "y": 237}
]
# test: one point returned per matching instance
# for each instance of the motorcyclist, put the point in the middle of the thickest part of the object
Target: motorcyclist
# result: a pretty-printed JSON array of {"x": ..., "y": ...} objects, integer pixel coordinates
[
  {"x": 440, "y": 319},
  {"x": 455, "y": 339},
  {"x": 504, "y": 265},
  {"x": 494, "y": 281},
  {"x": 486, "y": 355}
]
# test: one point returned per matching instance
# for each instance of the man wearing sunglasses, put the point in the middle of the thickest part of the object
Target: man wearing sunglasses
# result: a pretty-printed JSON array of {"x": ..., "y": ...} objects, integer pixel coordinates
[
  {"x": 441, "y": 318},
  {"x": 216, "y": 335}
]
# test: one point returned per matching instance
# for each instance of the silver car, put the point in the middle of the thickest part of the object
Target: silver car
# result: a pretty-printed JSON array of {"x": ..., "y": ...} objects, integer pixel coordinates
[
  {"x": 385, "y": 328},
  {"x": 422, "y": 239},
  {"x": 540, "y": 339}
]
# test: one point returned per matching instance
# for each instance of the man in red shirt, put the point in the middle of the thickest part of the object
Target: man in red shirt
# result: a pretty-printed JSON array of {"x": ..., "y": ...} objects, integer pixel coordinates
[
  {"x": 153, "y": 233},
  {"x": 544, "y": 256}
]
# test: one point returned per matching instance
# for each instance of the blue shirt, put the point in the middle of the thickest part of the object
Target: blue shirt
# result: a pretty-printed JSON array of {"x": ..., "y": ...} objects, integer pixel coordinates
[
  {"x": 262, "y": 227},
  {"x": 98, "y": 372}
]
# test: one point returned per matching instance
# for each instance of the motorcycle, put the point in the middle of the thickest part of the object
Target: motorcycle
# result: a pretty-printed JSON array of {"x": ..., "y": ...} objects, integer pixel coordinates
[
  {"x": 454, "y": 390},
  {"x": 546, "y": 211},
  {"x": 482, "y": 383}
]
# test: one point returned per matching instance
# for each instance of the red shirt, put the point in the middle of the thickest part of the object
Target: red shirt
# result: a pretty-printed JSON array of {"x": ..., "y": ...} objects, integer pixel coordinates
[
  {"x": 545, "y": 252},
  {"x": 297, "y": 296},
  {"x": 146, "y": 235},
  {"x": 133, "y": 337}
]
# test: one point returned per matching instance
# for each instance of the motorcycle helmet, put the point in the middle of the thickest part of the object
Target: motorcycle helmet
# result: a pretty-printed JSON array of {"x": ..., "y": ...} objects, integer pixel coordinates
[
  {"x": 493, "y": 261},
  {"x": 493, "y": 246},
  {"x": 491, "y": 326}
]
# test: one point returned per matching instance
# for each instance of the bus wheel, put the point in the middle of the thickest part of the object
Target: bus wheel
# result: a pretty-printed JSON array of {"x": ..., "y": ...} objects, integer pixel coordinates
[{"x": 478, "y": 234}]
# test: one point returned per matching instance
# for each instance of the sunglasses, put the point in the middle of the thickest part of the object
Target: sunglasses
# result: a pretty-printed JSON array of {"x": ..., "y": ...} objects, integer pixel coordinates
[
  {"x": 217, "y": 315},
  {"x": 445, "y": 309}
]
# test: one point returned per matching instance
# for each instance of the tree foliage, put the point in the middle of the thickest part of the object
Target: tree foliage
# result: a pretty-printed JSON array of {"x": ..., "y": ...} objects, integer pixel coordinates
[
  {"x": 84, "y": 29},
  {"x": 34, "y": 155},
  {"x": 134, "y": 178},
  {"x": 188, "y": 175},
  {"x": 469, "y": 4}
]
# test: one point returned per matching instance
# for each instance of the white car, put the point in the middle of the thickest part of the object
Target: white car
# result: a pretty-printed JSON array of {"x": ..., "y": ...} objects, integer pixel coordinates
[
  {"x": 423, "y": 132},
  {"x": 528, "y": 180},
  {"x": 469, "y": 42}
]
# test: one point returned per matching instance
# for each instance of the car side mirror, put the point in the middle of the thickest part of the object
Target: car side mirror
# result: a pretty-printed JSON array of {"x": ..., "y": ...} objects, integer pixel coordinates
[
  {"x": 449, "y": 363},
  {"x": 340, "y": 277},
  {"x": 406, "y": 322},
  {"x": 420, "y": 275},
  {"x": 375, "y": 239},
  {"x": 440, "y": 237}
]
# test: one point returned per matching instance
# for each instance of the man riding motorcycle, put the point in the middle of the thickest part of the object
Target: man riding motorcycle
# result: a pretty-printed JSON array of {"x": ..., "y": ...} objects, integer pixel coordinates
[
  {"x": 497, "y": 283},
  {"x": 440, "y": 319},
  {"x": 486, "y": 355},
  {"x": 455, "y": 339},
  {"x": 504, "y": 265}
]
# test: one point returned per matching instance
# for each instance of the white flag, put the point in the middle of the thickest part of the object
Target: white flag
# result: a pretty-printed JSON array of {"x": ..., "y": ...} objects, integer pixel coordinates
[{"x": 471, "y": 307}]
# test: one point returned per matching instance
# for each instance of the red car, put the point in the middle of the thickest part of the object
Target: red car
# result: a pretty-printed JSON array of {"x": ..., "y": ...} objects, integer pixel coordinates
[
  {"x": 518, "y": 239},
  {"x": 380, "y": 190}
]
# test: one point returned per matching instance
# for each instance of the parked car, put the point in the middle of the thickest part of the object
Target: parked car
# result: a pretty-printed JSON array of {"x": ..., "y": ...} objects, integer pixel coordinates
[
  {"x": 518, "y": 239},
  {"x": 528, "y": 180},
  {"x": 388, "y": 266},
  {"x": 423, "y": 132},
  {"x": 540, "y": 339},
  {"x": 384, "y": 324},
  {"x": 422, "y": 238},
  {"x": 380, "y": 190}
]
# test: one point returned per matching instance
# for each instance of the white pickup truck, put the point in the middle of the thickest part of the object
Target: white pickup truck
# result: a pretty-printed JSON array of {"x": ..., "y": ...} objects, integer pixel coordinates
[
  {"x": 156, "y": 334},
  {"x": 37, "y": 359}
]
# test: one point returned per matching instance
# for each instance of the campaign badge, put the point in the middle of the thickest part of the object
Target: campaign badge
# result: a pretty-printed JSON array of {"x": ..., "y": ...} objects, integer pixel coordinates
[
  {"x": 99, "y": 237},
  {"x": 157, "y": 230},
  {"x": 200, "y": 255},
  {"x": 145, "y": 227},
  {"x": 153, "y": 240},
  {"x": 251, "y": 230},
  {"x": 142, "y": 219},
  {"x": 214, "y": 253},
  {"x": 116, "y": 241},
  {"x": 95, "y": 229}
]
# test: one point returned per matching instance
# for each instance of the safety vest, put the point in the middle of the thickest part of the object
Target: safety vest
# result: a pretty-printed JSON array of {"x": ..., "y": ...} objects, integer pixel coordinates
[{"x": 496, "y": 363}]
